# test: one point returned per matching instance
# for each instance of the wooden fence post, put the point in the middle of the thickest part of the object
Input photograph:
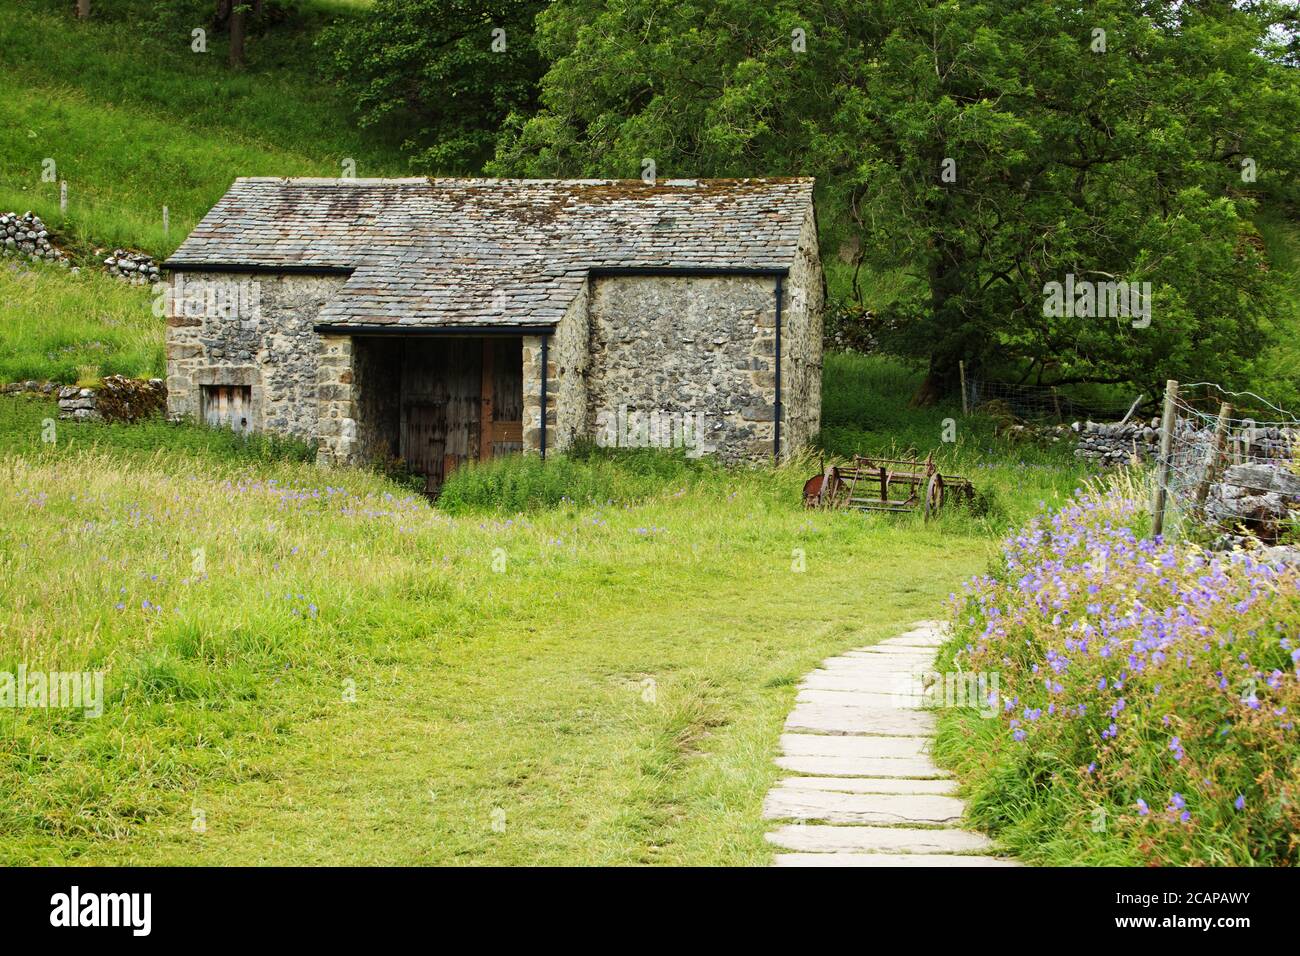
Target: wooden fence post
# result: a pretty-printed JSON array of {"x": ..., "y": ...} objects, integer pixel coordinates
[
  {"x": 961, "y": 368},
  {"x": 1216, "y": 453},
  {"x": 1160, "y": 495}
]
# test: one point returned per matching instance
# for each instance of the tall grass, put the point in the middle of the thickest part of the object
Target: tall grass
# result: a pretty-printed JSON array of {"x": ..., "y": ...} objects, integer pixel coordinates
[
  {"x": 25, "y": 431},
  {"x": 134, "y": 120},
  {"x": 58, "y": 327},
  {"x": 587, "y": 476}
]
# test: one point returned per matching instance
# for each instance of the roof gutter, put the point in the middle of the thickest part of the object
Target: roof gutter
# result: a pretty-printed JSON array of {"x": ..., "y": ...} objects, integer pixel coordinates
[
  {"x": 427, "y": 330},
  {"x": 172, "y": 265},
  {"x": 602, "y": 272}
]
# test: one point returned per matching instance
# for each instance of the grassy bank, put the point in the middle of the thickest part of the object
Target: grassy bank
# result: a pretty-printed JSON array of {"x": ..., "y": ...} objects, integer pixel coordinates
[
  {"x": 134, "y": 119},
  {"x": 66, "y": 328}
]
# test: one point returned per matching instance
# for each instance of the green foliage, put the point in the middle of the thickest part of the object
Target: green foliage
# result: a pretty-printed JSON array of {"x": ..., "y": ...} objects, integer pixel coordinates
[
  {"x": 446, "y": 73},
  {"x": 1066, "y": 160},
  {"x": 589, "y": 476}
]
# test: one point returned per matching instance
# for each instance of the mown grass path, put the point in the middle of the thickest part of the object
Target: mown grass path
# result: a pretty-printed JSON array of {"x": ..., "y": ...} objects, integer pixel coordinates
[{"x": 630, "y": 726}]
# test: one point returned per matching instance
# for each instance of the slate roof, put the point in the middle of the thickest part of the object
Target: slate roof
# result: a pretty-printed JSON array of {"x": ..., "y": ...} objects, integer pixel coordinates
[{"x": 429, "y": 252}]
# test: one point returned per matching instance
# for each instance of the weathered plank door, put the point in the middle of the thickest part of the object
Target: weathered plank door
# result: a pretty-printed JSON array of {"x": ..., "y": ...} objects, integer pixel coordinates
[
  {"x": 462, "y": 400},
  {"x": 501, "y": 417},
  {"x": 228, "y": 406},
  {"x": 424, "y": 441}
]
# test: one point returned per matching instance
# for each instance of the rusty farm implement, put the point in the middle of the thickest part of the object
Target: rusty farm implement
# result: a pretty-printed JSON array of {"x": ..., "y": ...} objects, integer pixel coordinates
[{"x": 896, "y": 485}]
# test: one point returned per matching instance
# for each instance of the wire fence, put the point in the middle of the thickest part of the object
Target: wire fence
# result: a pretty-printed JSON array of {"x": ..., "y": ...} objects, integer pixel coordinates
[
  {"x": 1226, "y": 469},
  {"x": 1039, "y": 402}
]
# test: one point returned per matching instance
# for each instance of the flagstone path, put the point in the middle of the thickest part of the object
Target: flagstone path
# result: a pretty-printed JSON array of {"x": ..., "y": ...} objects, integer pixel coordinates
[{"x": 862, "y": 789}]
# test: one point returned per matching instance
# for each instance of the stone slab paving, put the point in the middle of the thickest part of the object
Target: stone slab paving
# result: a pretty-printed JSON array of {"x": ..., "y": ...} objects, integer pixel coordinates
[
  {"x": 792, "y": 803},
  {"x": 863, "y": 790},
  {"x": 887, "y": 859},
  {"x": 828, "y": 745},
  {"x": 873, "y": 784},
  {"x": 890, "y": 767},
  {"x": 867, "y": 700},
  {"x": 851, "y": 719}
]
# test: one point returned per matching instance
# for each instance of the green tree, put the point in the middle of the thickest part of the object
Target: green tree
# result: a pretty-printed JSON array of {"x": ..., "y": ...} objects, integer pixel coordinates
[
  {"x": 446, "y": 72},
  {"x": 989, "y": 148}
]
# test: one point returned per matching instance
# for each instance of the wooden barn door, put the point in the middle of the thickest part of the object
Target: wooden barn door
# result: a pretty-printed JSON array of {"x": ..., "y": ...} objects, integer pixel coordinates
[
  {"x": 462, "y": 400},
  {"x": 424, "y": 441},
  {"x": 501, "y": 415}
]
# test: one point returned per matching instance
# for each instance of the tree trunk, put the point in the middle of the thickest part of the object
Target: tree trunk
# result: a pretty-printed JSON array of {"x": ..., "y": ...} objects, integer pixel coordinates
[
  {"x": 941, "y": 378},
  {"x": 236, "y": 36},
  {"x": 945, "y": 279},
  {"x": 223, "y": 12},
  {"x": 83, "y": 9}
]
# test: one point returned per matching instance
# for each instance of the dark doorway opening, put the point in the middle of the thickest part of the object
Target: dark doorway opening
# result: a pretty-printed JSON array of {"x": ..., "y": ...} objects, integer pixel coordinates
[{"x": 438, "y": 402}]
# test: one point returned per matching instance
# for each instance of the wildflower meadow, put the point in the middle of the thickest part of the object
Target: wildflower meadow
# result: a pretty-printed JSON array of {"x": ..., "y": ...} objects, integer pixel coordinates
[{"x": 1147, "y": 695}]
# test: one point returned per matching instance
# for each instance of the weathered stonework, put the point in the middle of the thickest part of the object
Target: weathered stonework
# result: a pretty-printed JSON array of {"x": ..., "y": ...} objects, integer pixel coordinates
[
  {"x": 678, "y": 345},
  {"x": 652, "y": 300},
  {"x": 801, "y": 343},
  {"x": 260, "y": 334}
]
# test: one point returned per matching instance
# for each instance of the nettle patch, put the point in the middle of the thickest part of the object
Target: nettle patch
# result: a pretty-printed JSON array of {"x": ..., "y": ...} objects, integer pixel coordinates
[{"x": 1148, "y": 688}]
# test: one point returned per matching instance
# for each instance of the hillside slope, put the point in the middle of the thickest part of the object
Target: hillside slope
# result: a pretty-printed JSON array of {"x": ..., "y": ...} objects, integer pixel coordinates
[{"x": 134, "y": 120}]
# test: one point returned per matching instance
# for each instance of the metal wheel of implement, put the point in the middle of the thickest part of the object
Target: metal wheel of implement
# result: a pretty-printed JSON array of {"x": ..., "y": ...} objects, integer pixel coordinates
[{"x": 933, "y": 495}]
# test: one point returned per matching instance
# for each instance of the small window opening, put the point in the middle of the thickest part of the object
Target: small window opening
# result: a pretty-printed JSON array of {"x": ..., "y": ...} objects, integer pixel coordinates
[{"x": 229, "y": 406}]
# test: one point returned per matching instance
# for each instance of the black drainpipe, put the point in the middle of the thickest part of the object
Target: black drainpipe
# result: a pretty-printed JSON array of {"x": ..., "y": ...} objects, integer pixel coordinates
[
  {"x": 545, "y": 342},
  {"x": 777, "y": 411}
]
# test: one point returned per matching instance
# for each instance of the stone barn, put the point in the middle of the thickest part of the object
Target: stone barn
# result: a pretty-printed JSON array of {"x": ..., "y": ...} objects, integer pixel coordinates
[{"x": 439, "y": 321}]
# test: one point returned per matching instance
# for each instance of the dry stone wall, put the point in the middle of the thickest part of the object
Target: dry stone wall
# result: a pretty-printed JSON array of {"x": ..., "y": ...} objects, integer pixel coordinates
[{"x": 26, "y": 235}]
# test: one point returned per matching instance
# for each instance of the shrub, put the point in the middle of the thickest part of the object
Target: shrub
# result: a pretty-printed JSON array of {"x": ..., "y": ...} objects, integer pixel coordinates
[
  {"x": 1148, "y": 692},
  {"x": 588, "y": 475}
]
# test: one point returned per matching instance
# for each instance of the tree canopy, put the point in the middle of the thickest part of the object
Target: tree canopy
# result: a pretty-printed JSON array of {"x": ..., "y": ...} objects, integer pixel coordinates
[{"x": 987, "y": 149}]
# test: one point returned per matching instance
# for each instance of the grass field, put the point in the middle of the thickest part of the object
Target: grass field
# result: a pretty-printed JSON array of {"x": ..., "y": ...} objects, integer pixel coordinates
[
  {"x": 349, "y": 675},
  {"x": 59, "y": 327},
  {"x": 134, "y": 120}
]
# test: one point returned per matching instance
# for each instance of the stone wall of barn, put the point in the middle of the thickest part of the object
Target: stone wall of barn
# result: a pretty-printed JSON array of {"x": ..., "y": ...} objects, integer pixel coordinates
[
  {"x": 571, "y": 358},
  {"x": 248, "y": 330},
  {"x": 568, "y": 360},
  {"x": 693, "y": 349},
  {"x": 532, "y": 345},
  {"x": 635, "y": 360},
  {"x": 336, "y": 406}
]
